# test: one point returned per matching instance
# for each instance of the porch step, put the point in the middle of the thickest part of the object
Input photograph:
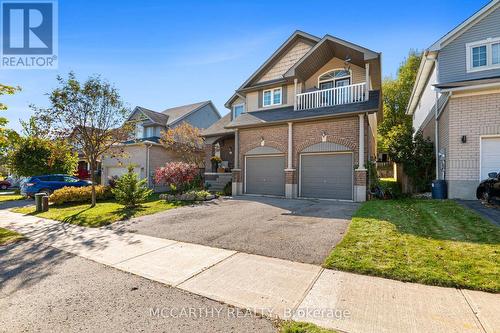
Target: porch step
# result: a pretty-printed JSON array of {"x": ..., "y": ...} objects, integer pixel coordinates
[{"x": 218, "y": 184}]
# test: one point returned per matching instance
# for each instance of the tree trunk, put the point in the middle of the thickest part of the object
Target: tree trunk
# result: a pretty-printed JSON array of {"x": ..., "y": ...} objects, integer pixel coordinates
[{"x": 92, "y": 178}]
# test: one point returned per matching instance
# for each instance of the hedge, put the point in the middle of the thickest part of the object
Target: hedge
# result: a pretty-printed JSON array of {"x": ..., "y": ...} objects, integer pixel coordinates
[{"x": 79, "y": 194}]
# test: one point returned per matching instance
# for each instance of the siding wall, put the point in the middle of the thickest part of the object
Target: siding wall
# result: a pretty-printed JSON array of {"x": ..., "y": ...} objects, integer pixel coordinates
[
  {"x": 202, "y": 118},
  {"x": 452, "y": 57},
  {"x": 288, "y": 60},
  {"x": 426, "y": 102}
]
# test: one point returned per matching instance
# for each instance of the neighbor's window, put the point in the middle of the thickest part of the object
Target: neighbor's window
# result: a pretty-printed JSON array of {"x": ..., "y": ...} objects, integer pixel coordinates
[
  {"x": 139, "y": 131},
  {"x": 479, "y": 56},
  {"x": 238, "y": 109},
  {"x": 495, "y": 53},
  {"x": 483, "y": 55},
  {"x": 271, "y": 97}
]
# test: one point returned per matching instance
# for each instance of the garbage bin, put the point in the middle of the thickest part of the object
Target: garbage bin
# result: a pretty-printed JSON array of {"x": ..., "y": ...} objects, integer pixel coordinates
[
  {"x": 38, "y": 202},
  {"x": 439, "y": 189}
]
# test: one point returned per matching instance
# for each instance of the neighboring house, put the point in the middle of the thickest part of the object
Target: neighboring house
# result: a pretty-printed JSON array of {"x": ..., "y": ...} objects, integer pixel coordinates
[
  {"x": 304, "y": 124},
  {"x": 144, "y": 150},
  {"x": 456, "y": 101}
]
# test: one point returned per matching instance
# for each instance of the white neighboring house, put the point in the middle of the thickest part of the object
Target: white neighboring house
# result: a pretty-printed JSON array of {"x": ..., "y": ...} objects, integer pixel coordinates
[
  {"x": 456, "y": 101},
  {"x": 144, "y": 150}
]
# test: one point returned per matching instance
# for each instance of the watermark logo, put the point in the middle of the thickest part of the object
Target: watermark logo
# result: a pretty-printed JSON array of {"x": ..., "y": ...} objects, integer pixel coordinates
[{"x": 29, "y": 35}]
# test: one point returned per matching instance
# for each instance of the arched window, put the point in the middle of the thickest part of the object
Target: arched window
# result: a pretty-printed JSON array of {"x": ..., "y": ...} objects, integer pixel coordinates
[{"x": 334, "y": 78}]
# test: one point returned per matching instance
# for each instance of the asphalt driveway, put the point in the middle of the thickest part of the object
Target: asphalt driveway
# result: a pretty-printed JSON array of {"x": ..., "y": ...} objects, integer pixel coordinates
[
  {"x": 490, "y": 212},
  {"x": 297, "y": 230}
]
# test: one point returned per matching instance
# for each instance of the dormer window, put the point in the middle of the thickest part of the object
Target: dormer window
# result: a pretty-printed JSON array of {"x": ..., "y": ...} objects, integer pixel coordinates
[
  {"x": 139, "y": 130},
  {"x": 238, "y": 109},
  {"x": 271, "y": 97},
  {"x": 483, "y": 55}
]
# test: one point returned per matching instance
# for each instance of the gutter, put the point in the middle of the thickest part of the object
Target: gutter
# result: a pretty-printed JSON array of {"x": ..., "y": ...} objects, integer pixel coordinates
[
  {"x": 148, "y": 145},
  {"x": 473, "y": 87},
  {"x": 285, "y": 121}
]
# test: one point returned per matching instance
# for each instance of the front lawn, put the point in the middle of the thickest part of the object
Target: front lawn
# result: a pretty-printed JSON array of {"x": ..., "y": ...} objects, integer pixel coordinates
[
  {"x": 8, "y": 236},
  {"x": 10, "y": 197},
  {"x": 299, "y": 327},
  {"x": 103, "y": 213},
  {"x": 425, "y": 241}
]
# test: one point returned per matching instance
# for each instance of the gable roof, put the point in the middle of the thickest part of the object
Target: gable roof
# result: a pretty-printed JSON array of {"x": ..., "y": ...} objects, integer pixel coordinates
[
  {"x": 178, "y": 113},
  {"x": 172, "y": 115},
  {"x": 430, "y": 54},
  {"x": 465, "y": 25}
]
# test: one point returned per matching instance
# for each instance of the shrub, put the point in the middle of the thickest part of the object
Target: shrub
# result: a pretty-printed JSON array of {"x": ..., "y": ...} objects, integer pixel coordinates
[
  {"x": 188, "y": 196},
  {"x": 129, "y": 190},
  {"x": 79, "y": 194},
  {"x": 179, "y": 176},
  {"x": 228, "y": 189}
]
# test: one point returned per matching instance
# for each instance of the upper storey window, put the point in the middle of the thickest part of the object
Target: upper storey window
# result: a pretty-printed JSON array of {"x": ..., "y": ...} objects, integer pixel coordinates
[
  {"x": 483, "y": 55},
  {"x": 334, "y": 78},
  {"x": 271, "y": 97},
  {"x": 238, "y": 109}
]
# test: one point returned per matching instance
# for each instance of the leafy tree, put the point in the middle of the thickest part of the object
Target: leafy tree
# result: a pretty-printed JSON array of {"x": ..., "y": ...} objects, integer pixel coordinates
[
  {"x": 8, "y": 137},
  {"x": 396, "y": 95},
  {"x": 91, "y": 114},
  {"x": 185, "y": 140},
  {"x": 36, "y": 156},
  {"x": 414, "y": 152},
  {"x": 129, "y": 190}
]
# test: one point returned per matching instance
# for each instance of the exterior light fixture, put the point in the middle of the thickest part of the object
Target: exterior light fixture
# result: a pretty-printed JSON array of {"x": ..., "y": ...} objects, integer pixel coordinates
[
  {"x": 262, "y": 142},
  {"x": 323, "y": 136},
  {"x": 464, "y": 139}
]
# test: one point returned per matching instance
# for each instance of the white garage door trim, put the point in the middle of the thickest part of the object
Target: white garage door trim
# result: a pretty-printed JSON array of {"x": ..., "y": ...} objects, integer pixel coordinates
[
  {"x": 245, "y": 174},
  {"x": 327, "y": 153},
  {"x": 483, "y": 138}
]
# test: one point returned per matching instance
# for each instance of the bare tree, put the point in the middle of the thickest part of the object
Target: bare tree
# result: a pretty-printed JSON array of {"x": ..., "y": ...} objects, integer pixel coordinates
[{"x": 91, "y": 114}]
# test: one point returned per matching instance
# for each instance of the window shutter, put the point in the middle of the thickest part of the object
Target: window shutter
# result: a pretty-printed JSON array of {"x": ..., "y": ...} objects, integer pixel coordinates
[
  {"x": 260, "y": 99},
  {"x": 284, "y": 95}
]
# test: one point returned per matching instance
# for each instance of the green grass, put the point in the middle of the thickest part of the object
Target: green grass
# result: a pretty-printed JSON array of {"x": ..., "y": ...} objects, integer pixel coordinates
[
  {"x": 298, "y": 327},
  {"x": 103, "y": 213},
  {"x": 425, "y": 241},
  {"x": 10, "y": 197},
  {"x": 8, "y": 236}
]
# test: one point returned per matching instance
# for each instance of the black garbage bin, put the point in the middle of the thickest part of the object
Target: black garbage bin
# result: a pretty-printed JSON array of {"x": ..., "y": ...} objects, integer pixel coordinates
[{"x": 439, "y": 189}]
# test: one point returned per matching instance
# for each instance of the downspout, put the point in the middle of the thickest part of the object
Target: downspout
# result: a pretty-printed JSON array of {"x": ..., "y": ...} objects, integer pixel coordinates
[{"x": 148, "y": 146}]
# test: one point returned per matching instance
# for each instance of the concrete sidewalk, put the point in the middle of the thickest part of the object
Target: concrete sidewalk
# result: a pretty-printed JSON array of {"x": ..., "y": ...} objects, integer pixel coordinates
[{"x": 274, "y": 287}]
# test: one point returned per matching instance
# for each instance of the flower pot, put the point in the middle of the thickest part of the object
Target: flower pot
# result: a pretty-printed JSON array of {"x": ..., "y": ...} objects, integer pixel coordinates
[{"x": 221, "y": 170}]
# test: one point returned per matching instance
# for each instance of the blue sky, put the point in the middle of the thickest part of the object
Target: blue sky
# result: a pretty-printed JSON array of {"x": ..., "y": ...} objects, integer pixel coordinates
[{"x": 161, "y": 54}]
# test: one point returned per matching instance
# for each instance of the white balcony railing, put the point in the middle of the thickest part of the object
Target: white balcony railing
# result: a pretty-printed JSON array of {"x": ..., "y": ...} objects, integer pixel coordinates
[{"x": 330, "y": 97}]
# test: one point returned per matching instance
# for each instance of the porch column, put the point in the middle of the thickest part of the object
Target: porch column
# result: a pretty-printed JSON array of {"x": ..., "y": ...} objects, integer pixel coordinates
[
  {"x": 237, "y": 185},
  {"x": 367, "y": 80},
  {"x": 360, "y": 174},
  {"x": 290, "y": 183},
  {"x": 295, "y": 81}
]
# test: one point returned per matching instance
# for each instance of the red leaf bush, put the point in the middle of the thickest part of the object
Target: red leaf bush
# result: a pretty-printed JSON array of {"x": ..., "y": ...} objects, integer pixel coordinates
[{"x": 178, "y": 175}]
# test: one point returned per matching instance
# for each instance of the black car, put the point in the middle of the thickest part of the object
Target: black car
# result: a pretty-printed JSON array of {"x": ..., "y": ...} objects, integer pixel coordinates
[{"x": 489, "y": 188}]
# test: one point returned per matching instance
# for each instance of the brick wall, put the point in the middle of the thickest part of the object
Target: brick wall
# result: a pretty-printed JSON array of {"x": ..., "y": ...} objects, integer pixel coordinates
[
  {"x": 344, "y": 131},
  {"x": 473, "y": 116}
]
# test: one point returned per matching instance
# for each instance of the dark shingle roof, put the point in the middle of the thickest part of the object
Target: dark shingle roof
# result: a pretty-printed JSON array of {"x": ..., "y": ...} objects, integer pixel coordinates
[
  {"x": 217, "y": 128},
  {"x": 467, "y": 83},
  {"x": 178, "y": 112},
  {"x": 288, "y": 113},
  {"x": 156, "y": 117}
]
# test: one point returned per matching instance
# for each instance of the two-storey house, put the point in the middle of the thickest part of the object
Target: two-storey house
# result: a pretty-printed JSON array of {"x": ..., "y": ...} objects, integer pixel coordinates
[
  {"x": 144, "y": 150},
  {"x": 456, "y": 101},
  {"x": 304, "y": 124}
]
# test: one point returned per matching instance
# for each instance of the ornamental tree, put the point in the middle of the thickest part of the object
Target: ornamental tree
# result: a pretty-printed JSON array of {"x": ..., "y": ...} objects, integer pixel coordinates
[
  {"x": 186, "y": 141},
  {"x": 178, "y": 175},
  {"x": 91, "y": 114}
]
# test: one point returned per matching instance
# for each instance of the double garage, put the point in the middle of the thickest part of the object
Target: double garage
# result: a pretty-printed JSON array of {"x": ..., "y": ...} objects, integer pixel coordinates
[{"x": 325, "y": 171}]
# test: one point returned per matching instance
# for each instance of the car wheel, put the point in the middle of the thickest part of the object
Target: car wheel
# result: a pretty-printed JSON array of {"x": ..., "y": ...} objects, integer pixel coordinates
[{"x": 485, "y": 196}]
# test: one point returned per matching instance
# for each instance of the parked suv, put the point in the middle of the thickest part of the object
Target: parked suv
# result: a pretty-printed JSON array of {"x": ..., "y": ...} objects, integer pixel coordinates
[
  {"x": 49, "y": 183},
  {"x": 489, "y": 188}
]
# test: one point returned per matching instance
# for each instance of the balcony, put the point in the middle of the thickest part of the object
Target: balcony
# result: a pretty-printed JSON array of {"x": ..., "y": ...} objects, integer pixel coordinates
[{"x": 353, "y": 93}]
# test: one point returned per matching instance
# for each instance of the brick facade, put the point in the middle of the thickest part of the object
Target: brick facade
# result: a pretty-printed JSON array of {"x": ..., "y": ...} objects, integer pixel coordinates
[{"x": 343, "y": 131}]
